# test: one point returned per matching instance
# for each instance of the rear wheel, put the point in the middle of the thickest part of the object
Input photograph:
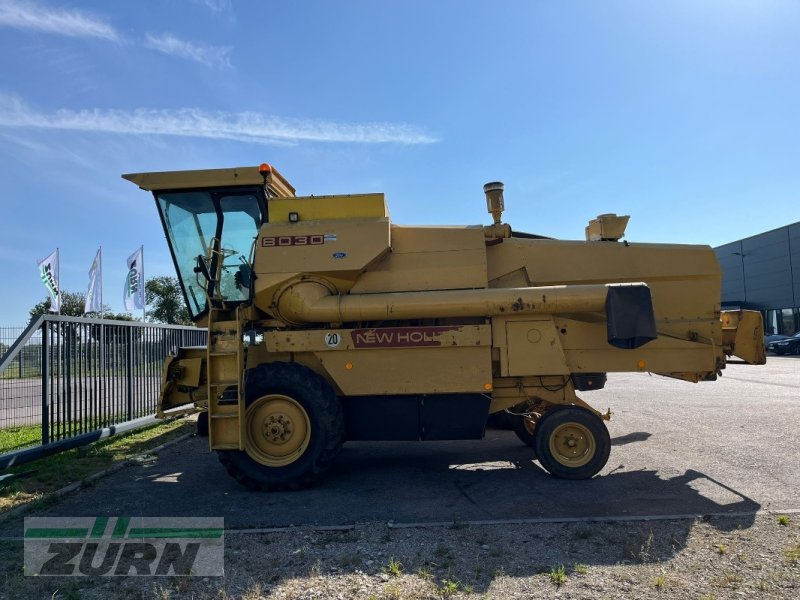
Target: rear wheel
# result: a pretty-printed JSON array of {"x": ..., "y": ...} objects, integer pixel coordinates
[
  {"x": 294, "y": 427},
  {"x": 572, "y": 442},
  {"x": 525, "y": 428}
]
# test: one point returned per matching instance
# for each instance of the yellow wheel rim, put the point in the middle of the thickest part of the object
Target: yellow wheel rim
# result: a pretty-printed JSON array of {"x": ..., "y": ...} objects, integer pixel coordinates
[
  {"x": 278, "y": 430},
  {"x": 572, "y": 445}
]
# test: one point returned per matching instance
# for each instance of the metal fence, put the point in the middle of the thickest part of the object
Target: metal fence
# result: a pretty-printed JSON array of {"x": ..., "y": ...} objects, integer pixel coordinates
[{"x": 72, "y": 376}]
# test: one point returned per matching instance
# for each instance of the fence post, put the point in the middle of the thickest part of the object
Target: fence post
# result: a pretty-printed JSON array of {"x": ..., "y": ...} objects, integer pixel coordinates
[
  {"x": 129, "y": 368},
  {"x": 45, "y": 386}
]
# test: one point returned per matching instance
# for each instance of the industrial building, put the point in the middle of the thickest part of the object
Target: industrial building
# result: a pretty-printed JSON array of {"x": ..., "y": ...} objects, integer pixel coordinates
[{"x": 762, "y": 272}]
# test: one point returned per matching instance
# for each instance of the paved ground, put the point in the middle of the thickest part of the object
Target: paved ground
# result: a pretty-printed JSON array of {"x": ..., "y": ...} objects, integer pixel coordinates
[{"x": 679, "y": 448}]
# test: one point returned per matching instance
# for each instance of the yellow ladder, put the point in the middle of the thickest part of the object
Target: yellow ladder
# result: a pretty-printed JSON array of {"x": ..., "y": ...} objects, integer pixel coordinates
[{"x": 225, "y": 375}]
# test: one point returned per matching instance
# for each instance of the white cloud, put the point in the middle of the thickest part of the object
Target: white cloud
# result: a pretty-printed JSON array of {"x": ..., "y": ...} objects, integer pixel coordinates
[
  {"x": 211, "y": 56},
  {"x": 216, "y": 6},
  {"x": 71, "y": 23},
  {"x": 194, "y": 122}
]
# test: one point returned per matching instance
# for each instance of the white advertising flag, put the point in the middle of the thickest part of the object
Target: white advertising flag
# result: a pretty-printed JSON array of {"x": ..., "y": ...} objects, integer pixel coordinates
[
  {"x": 94, "y": 294},
  {"x": 134, "y": 282},
  {"x": 48, "y": 271}
]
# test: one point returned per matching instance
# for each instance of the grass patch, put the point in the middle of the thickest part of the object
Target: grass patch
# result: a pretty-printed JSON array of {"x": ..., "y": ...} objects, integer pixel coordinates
[
  {"x": 558, "y": 575},
  {"x": 15, "y": 438},
  {"x": 41, "y": 477},
  {"x": 784, "y": 520},
  {"x": 793, "y": 555},
  {"x": 659, "y": 582},
  {"x": 394, "y": 568}
]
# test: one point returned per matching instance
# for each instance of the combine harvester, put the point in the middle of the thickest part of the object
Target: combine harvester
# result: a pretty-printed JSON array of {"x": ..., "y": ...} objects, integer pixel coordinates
[{"x": 328, "y": 323}]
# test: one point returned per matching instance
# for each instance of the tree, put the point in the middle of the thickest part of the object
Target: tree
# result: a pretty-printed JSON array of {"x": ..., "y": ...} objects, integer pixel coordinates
[
  {"x": 72, "y": 305},
  {"x": 164, "y": 298}
]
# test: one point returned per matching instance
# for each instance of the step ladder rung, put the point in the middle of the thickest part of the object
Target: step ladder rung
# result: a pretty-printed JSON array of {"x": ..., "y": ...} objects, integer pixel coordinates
[
  {"x": 223, "y": 383},
  {"x": 225, "y": 447},
  {"x": 232, "y": 415}
]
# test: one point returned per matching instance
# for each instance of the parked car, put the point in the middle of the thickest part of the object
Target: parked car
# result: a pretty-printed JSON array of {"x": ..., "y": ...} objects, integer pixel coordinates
[
  {"x": 790, "y": 345},
  {"x": 773, "y": 337}
]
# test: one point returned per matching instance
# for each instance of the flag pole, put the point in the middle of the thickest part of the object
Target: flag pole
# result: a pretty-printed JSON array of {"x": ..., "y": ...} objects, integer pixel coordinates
[
  {"x": 144, "y": 316},
  {"x": 58, "y": 278},
  {"x": 100, "y": 270}
]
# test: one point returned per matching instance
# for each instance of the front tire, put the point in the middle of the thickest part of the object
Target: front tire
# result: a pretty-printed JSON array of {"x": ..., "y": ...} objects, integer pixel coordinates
[
  {"x": 572, "y": 442},
  {"x": 294, "y": 426}
]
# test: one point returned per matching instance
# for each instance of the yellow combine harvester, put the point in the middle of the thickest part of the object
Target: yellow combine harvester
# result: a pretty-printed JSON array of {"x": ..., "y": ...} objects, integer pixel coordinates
[{"x": 328, "y": 323}]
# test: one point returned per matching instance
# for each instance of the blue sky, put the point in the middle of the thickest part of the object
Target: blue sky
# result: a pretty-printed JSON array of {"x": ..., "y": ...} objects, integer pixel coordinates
[{"x": 681, "y": 114}]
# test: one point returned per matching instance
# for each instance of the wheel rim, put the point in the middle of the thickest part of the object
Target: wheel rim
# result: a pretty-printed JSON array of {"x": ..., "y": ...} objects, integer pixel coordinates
[
  {"x": 278, "y": 430},
  {"x": 572, "y": 445}
]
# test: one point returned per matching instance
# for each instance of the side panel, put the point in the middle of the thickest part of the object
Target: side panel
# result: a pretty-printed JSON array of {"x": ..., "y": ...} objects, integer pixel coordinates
[
  {"x": 396, "y": 360},
  {"x": 409, "y": 371},
  {"x": 426, "y": 258}
]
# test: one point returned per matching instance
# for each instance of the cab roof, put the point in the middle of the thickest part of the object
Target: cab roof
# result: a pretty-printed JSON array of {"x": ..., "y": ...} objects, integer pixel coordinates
[{"x": 209, "y": 178}]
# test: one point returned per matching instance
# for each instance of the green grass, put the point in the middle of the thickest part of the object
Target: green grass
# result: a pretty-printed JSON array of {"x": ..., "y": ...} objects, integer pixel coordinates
[
  {"x": 14, "y": 438},
  {"x": 784, "y": 520},
  {"x": 394, "y": 568},
  {"x": 558, "y": 575},
  {"x": 39, "y": 478}
]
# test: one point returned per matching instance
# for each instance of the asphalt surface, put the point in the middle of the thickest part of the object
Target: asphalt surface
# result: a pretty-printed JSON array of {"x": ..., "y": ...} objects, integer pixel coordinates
[{"x": 729, "y": 446}]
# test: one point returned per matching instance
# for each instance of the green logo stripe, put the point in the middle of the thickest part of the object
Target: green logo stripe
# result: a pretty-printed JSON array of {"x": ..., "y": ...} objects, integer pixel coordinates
[
  {"x": 100, "y": 524},
  {"x": 121, "y": 527},
  {"x": 55, "y": 532},
  {"x": 174, "y": 532}
]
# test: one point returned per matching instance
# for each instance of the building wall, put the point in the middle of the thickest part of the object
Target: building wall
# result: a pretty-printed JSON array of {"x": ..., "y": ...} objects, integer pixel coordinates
[{"x": 763, "y": 272}]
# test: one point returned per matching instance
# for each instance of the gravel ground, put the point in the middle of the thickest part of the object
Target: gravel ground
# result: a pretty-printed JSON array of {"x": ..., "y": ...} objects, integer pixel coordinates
[{"x": 707, "y": 558}]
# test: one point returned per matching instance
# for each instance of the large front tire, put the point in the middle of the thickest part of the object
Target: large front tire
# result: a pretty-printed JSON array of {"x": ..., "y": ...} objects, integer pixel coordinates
[
  {"x": 572, "y": 442},
  {"x": 294, "y": 428}
]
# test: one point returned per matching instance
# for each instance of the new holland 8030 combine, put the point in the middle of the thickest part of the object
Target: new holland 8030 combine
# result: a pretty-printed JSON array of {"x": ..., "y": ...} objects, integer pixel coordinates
[{"x": 329, "y": 323}]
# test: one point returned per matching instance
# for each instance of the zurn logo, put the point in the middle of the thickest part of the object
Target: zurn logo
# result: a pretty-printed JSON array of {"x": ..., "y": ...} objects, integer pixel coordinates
[{"x": 124, "y": 546}]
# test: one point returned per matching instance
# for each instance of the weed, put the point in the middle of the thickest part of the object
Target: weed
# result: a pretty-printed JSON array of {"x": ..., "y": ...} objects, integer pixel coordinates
[
  {"x": 448, "y": 587},
  {"x": 255, "y": 592},
  {"x": 316, "y": 568},
  {"x": 558, "y": 575},
  {"x": 722, "y": 549},
  {"x": 659, "y": 582},
  {"x": 784, "y": 520},
  {"x": 763, "y": 586},
  {"x": 580, "y": 569},
  {"x": 646, "y": 551},
  {"x": 468, "y": 589},
  {"x": 498, "y": 572},
  {"x": 394, "y": 568},
  {"x": 424, "y": 574},
  {"x": 728, "y": 579},
  {"x": 393, "y": 592},
  {"x": 793, "y": 555}
]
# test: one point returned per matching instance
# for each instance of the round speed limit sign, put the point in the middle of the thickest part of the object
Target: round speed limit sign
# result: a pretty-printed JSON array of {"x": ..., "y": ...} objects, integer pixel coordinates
[{"x": 333, "y": 339}]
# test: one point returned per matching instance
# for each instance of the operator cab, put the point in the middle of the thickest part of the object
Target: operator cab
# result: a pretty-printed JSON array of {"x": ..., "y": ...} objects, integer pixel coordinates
[{"x": 211, "y": 220}]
